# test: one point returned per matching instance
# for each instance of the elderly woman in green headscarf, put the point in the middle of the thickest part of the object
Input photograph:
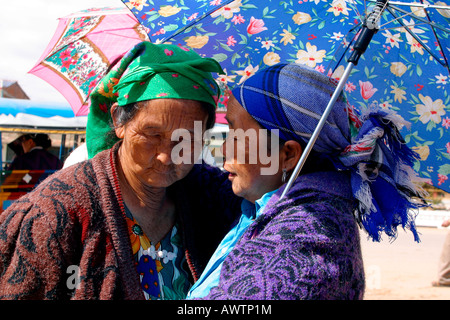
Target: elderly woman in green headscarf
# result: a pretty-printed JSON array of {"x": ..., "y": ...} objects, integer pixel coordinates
[{"x": 130, "y": 222}]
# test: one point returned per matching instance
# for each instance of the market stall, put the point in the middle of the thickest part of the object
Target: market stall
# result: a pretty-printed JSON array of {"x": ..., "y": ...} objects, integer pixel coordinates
[{"x": 21, "y": 116}]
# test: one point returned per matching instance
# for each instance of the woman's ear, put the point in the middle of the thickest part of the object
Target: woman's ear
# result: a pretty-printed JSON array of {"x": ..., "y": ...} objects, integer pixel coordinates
[
  {"x": 118, "y": 128},
  {"x": 290, "y": 154}
]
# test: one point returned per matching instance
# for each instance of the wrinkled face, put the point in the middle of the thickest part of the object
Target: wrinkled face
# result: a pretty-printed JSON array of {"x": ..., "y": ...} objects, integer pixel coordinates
[
  {"x": 242, "y": 155},
  {"x": 146, "y": 150}
]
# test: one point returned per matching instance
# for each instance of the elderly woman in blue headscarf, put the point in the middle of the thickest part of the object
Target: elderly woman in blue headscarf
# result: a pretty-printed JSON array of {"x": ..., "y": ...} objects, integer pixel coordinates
[{"x": 306, "y": 245}]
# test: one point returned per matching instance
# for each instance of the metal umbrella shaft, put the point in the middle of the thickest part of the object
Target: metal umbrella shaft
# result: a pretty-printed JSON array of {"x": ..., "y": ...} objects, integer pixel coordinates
[
  {"x": 317, "y": 130},
  {"x": 367, "y": 32}
]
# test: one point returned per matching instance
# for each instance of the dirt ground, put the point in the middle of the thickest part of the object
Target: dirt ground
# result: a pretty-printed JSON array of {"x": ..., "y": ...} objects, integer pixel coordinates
[{"x": 404, "y": 269}]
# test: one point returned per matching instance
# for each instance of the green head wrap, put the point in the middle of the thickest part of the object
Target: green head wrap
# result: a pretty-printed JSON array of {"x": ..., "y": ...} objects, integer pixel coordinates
[{"x": 149, "y": 71}]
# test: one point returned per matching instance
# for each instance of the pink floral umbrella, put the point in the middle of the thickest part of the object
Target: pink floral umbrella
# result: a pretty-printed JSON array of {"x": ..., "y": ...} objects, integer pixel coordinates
[{"x": 84, "y": 45}]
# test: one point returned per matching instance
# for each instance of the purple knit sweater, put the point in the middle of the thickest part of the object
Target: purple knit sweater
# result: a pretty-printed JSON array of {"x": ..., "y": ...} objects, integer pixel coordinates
[{"x": 305, "y": 247}]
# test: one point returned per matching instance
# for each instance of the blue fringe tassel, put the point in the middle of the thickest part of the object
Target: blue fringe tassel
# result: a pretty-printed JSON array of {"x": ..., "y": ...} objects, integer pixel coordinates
[{"x": 392, "y": 199}]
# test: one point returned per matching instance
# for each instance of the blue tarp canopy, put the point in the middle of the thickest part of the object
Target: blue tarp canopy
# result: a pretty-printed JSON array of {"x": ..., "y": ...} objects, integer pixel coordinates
[
  {"x": 42, "y": 109},
  {"x": 18, "y": 114}
]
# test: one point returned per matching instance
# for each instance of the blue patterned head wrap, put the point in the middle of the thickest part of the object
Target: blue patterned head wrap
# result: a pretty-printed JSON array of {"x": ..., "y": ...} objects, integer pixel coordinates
[{"x": 292, "y": 98}]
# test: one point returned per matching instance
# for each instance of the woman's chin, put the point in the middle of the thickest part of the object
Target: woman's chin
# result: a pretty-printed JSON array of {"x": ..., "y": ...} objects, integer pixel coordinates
[{"x": 159, "y": 180}]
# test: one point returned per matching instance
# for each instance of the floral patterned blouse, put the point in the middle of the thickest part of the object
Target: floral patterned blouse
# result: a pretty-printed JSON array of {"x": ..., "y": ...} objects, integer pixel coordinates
[{"x": 160, "y": 265}]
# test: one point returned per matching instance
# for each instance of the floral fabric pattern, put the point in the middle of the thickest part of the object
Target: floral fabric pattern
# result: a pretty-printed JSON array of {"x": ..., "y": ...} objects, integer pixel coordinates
[
  {"x": 83, "y": 47},
  {"x": 77, "y": 60},
  {"x": 396, "y": 71},
  {"x": 159, "y": 266}
]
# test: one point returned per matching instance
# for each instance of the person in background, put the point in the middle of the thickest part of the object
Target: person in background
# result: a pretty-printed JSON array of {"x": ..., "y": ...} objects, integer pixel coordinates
[
  {"x": 36, "y": 155},
  {"x": 79, "y": 154},
  {"x": 306, "y": 245},
  {"x": 129, "y": 222},
  {"x": 444, "y": 261}
]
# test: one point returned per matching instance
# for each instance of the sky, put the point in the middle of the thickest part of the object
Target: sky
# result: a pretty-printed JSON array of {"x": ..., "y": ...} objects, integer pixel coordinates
[{"x": 26, "y": 28}]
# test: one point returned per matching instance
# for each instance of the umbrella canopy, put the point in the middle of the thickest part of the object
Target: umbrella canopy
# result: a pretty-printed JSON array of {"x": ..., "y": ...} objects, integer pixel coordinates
[
  {"x": 405, "y": 67},
  {"x": 84, "y": 45}
]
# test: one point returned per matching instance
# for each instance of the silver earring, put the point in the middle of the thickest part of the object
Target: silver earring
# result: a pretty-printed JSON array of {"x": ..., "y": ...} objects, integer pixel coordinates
[{"x": 283, "y": 178}]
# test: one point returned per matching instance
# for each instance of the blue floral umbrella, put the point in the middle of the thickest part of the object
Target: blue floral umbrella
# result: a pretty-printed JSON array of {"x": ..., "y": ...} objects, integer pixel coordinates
[{"x": 405, "y": 66}]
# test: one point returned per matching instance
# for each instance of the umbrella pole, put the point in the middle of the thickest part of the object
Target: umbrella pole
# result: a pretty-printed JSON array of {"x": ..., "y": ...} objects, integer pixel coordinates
[
  {"x": 319, "y": 127},
  {"x": 369, "y": 29}
]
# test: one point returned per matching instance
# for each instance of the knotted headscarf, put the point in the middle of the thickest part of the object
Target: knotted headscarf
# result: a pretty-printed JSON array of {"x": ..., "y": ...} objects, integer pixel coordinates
[
  {"x": 149, "y": 71},
  {"x": 368, "y": 145}
]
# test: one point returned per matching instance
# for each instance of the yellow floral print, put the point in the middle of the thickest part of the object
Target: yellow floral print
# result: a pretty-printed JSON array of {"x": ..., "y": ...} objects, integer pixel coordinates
[
  {"x": 398, "y": 68},
  {"x": 430, "y": 110},
  {"x": 301, "y": 18},
  {"x": 197, "y": 42},
  {"x": 399, "y": 94},
  {"x": 287, "y": 37},
  {"x": 271, "y": 58},
  {"x": 108, "y": 93},
  {"x": 311, "y": 56},
  {"x": 423, "y": 151},
  {"x": 167, "y": 11}
]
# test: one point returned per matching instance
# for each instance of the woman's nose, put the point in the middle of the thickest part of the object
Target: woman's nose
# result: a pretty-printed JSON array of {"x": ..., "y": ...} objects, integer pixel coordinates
[{"x": 164, "y": 154}]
